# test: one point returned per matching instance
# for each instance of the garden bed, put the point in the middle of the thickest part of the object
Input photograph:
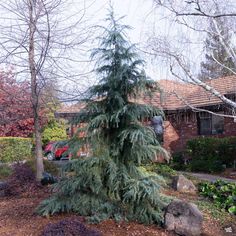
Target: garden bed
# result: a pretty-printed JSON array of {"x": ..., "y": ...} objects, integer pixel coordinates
[{"x": 18, "y": 218}]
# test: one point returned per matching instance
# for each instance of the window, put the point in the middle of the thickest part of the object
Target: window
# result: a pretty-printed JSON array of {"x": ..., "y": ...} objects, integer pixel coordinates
[{"x": 210, "y": 124}]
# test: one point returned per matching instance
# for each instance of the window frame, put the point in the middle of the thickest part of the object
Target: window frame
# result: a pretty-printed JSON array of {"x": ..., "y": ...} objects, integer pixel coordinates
[{"x": 210, "y": 118}]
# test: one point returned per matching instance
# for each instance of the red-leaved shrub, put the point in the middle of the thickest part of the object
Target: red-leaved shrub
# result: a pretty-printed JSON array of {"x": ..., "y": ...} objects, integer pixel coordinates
[
  {"x": 22, "y": 179},
  {"x": 69, "y": 227}
]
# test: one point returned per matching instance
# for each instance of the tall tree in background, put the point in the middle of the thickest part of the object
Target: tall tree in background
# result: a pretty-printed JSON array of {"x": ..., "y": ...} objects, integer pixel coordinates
[
  {"x": 38, "y": 39},
  {"x": 217, "y": 63},
  {"x": 110, "y": 183}
]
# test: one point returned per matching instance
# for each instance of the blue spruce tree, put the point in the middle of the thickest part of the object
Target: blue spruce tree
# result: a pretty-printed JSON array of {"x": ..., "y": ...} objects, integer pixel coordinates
[{"x": 109, "y": 183}]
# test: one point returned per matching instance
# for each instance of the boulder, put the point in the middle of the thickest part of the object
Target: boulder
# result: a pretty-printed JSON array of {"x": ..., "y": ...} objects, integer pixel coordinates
[
  {"x": 183, "y": 185},
  {"x": 183, "y": 218}
]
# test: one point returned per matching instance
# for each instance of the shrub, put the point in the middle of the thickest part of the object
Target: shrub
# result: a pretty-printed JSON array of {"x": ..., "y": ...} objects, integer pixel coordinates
[
  {"x": 54, "y": 131},
  {"x": 177, "y": 162},
  {"x": 5, "y": 171},
  {"x": 49, "y": 167},
  {"x": 223, "y": 194},
  {"x": 15, "y": 149},
  {"x": 161, "y": 169},
  {"x": 210, "y": 154},
  {"x": 227, "y": 150},
  {"x": 203, "y": 147},
  {"x": 69, "y": 227},
  {"x": 208, "y": 165},
  {"x": 22, "y": 179}
]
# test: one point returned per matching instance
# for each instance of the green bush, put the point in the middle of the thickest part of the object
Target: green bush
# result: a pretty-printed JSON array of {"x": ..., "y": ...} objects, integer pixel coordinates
[
  {"x": 49, "y": 167},
  {"x": 203, "y": 147},
  {"x": 227, "y": 151},
  {"x": 161, "y": 169},
  {"x": 206, "y": 166},
  {"x": 54, "y": 131},
  {"x": 177, "y": 162},
  {"x": 5, "y": 171},
  {"x": 223, "y": 194},
  {"x": 15, "y": 149},
  {"x": 210, "y": 154}
]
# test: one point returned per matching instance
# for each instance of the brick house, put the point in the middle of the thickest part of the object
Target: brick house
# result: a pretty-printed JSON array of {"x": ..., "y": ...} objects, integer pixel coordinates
[{"x": 181, "y": 121}]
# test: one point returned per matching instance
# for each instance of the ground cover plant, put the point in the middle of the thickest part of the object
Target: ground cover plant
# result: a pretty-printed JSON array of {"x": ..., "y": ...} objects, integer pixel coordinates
[
  {"x": 110, "y": 184},
  {"x": 221, "y": 193},
  {"x": 164, "y": 170}
]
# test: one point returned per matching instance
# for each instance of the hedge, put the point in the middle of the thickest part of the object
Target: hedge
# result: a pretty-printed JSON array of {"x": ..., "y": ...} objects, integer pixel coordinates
[
  {"x": 15, "y": 149},
  {"x": 209, "y": 154}
]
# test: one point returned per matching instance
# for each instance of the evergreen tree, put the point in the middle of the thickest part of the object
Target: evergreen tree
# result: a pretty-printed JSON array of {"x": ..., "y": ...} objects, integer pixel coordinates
[
  {"x": 110, "y": 183},
  {"x": 217, "y": 60}
]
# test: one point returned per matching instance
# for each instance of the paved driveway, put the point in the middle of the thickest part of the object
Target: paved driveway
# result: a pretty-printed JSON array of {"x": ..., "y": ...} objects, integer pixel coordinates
[{"x": 208, "y": 177}]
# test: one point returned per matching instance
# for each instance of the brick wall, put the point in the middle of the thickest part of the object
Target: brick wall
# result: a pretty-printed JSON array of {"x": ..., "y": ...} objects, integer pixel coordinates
[{"x": 179, "y": 128}]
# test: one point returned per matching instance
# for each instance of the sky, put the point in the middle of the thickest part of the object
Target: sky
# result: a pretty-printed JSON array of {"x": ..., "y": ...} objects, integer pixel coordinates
[
  {"x": 140, "y": 15},
  {"x": 135, "y": 13},
  {"x": 146, "y": 21}
]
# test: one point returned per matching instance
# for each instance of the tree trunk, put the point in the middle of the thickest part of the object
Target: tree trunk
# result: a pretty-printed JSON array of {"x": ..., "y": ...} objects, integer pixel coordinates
[
  {"x": 35, "y": 95},
  {"x": 38, "y": 148}
]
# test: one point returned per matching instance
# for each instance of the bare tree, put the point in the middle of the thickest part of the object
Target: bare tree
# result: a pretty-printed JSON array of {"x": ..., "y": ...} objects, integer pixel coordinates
[
  {"x": 198, "y": 8},
  {"x": 193, "y": 16},
  {"x": 38, "y": 39},
  {"x": 215, "y": 53}
]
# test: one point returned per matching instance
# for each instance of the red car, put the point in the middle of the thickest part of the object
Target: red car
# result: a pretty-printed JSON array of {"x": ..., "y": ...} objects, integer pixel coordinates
[
  {"x": 60, "y": 151},
  {"x": 57, "y": 151}
]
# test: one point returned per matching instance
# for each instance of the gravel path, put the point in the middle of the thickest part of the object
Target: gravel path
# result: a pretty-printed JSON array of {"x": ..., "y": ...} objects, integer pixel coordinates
[{"x": 208, "y": 177}]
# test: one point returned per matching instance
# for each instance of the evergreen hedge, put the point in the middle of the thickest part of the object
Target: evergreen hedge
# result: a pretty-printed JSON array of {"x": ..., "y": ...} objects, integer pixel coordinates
[
  {"x": 209, "y": 154},
  {"x": 15, "y": 149}
]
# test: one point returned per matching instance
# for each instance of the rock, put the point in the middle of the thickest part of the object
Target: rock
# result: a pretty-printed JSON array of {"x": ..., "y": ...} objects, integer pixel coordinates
[
  {"x": 183, "y": 218},
  {"x": 183, "y": 185}
]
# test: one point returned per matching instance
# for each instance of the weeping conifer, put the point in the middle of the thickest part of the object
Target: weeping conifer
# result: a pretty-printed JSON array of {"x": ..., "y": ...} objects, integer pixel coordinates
[{"x": 110, "y": 184}]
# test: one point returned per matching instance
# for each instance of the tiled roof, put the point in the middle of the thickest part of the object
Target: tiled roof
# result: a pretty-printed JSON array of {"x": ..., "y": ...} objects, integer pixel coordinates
[
  {"x": 176, "y": 95},
  {"x": 68, "y": 110}
]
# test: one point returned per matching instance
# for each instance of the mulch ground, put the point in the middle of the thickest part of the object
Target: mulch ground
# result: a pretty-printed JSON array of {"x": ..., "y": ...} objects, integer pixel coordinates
[{"x": 18, "y": 218}]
